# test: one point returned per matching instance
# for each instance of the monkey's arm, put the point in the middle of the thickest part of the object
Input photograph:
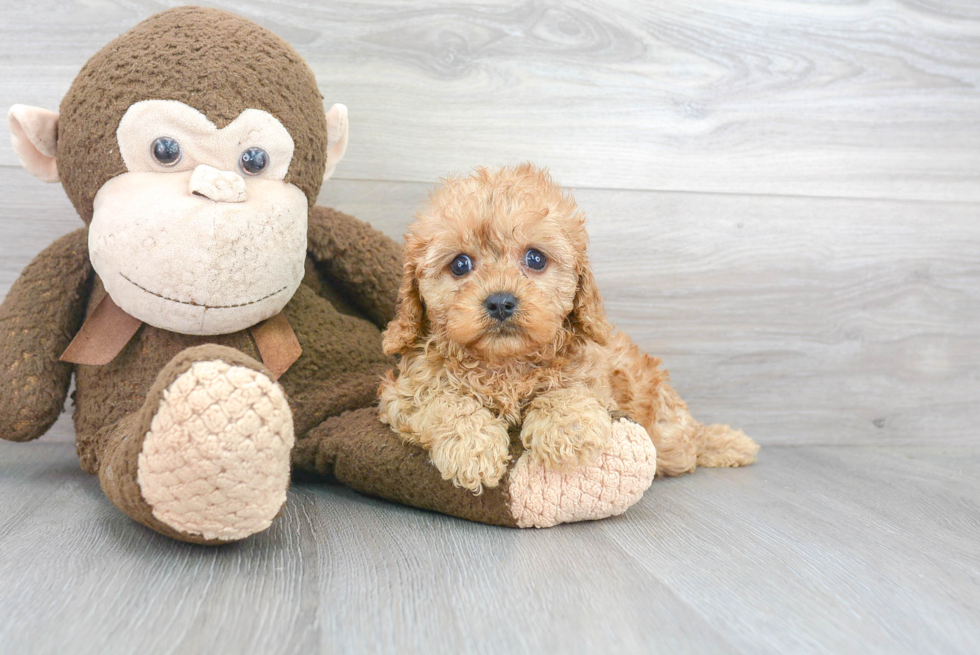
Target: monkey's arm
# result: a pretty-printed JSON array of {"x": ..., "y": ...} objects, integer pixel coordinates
[
  {"x": 363, "y": 264},
  {"x": 41, "y": 313}
]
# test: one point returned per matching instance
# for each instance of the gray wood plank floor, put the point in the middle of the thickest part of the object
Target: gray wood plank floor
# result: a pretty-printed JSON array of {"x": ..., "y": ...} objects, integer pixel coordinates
[{"x": 817, "y": 549}]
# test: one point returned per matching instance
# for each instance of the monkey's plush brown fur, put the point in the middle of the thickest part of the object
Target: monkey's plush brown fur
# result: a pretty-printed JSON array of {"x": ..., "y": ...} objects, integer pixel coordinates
[
  {"x": 211, "y": 60},
  {"x": 554, "y": 368},
  {"x": 221, "y": 65}
]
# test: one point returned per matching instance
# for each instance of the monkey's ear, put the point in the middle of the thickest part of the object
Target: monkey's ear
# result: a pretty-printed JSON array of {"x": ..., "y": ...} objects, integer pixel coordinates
[
  {"x": 336, "y": 138},
  {"x": 34, "y": 133}
]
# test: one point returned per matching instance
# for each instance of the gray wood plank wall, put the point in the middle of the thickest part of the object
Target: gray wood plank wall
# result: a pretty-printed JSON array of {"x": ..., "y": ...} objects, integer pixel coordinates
[{"x": 784, "y": 196}]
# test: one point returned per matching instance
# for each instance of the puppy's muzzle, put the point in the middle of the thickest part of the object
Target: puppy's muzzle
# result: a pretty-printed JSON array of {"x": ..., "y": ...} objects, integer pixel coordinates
[{"x": 500, "y": 306}]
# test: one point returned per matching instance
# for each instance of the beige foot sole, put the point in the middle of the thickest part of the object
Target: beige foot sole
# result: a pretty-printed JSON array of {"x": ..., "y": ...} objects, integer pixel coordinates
[
  {"x": 542, "y": 497},
  {"x": 215, "y": 461}
]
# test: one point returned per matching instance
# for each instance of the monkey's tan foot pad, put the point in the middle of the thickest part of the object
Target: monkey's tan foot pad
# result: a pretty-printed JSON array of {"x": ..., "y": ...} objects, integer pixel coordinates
[
  {"x": 215, "y": 461},
  {"x": 542, "y": 497}
]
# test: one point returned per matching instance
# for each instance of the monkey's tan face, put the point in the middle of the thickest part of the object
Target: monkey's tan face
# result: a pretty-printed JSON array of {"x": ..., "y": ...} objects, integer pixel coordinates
[{"x": 201, "y": 235}]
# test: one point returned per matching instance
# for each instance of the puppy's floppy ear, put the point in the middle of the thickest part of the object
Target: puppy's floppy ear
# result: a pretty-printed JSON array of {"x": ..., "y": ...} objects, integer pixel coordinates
[
  {"x": 588, "y": 315},
  {"x": 405, "y": 329}
]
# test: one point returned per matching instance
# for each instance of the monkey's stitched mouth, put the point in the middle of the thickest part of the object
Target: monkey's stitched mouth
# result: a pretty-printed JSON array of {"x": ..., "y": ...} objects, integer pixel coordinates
[{"x": 195, "y": 304}]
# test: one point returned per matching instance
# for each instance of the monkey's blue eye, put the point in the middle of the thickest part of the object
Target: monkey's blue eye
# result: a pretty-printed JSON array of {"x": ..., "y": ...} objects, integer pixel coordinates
[
  {"x": 166, "y": 151},
  {"x": 461, "y": 265},
  {"x": 535, "y": 259},
  {"x": 254, "y": 161}
]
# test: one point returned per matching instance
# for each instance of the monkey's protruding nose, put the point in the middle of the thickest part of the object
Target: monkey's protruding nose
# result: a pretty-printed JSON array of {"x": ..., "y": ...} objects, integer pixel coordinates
[
  {"x": 500, "y": 306},
  {"x": 216, "y": 185}
]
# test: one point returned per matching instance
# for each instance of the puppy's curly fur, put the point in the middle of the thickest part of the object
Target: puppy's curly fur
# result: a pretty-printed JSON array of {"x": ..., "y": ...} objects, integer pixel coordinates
[{"x": 554, "y": 366}]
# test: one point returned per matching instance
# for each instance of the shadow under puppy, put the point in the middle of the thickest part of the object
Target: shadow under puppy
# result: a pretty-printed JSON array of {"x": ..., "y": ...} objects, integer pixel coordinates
[{"x": 500, "y": 324}]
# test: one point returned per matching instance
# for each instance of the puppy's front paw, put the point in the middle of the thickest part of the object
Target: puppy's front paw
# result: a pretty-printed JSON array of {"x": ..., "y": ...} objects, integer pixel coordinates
[
  {"x": 475, "y": 458},
  {"x": 566, "y": 431}
]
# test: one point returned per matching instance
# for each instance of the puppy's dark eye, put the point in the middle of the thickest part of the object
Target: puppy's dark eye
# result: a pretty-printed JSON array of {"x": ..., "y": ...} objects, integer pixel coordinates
[
  {"x": 254, "y": 161},
  {"x": 535, "y": 259},
  {"x": 166, "y": 150},
  {"x": 461, "y": 265}
]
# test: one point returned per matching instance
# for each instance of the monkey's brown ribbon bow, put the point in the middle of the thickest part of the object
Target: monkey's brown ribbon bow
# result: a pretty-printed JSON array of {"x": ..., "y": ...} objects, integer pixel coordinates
[{"x": 108, "y": 329}]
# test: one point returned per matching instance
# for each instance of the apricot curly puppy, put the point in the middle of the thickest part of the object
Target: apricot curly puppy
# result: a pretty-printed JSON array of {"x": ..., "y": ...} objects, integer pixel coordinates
[{"x": 500, "y": 324}]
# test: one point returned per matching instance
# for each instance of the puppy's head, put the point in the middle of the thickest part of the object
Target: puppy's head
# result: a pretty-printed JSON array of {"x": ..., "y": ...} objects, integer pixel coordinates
[{"x": 497, "y": 264}]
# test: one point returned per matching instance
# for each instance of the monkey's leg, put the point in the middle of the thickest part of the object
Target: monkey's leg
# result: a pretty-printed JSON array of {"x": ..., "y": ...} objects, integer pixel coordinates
[
  {"x": 207, "y": 458},
  {"x": 362, "y": 453}
]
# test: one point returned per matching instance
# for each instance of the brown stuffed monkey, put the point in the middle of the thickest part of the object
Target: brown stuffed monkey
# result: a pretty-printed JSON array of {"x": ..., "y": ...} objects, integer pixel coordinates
[{"x": 223, "y": 330}]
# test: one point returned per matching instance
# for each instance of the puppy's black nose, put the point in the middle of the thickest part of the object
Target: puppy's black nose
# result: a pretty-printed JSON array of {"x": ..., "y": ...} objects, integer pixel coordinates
[{"x": 500, "y": 306}]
